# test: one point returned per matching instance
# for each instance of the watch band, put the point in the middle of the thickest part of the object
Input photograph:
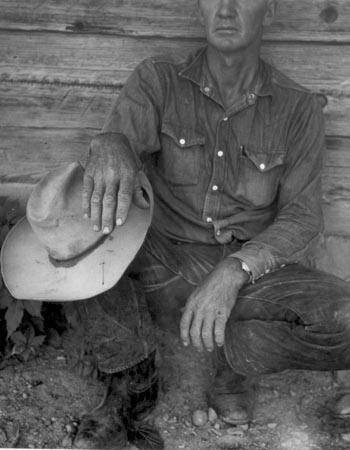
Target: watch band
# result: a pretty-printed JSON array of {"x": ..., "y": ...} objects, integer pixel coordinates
[{"x": 245, "y": 268}]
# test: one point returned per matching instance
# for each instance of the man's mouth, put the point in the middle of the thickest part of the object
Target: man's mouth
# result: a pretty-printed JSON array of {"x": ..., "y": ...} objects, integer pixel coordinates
[{"x": 227, "y": 29}]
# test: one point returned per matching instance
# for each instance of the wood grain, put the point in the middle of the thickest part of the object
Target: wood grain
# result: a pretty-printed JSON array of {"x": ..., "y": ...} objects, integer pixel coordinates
[
  {"x": 108, "y": 61},
  {"x": 296, "y": 20},
  {"x": 33, "y": 151}
]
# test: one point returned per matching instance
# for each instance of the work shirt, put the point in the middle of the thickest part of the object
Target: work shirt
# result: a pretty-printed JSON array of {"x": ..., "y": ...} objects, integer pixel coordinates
[{"x": 251, "y": 172}]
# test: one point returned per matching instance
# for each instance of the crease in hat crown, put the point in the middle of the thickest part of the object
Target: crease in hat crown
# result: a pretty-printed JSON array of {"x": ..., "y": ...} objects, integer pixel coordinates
[{"x": 54, "y": 211}]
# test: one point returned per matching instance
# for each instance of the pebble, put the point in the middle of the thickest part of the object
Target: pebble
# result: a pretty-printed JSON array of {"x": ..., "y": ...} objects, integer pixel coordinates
[
  {"x": 69, "y": 428},
  {"x": 212, "y": 416},
  {"x": 346, "y": 437},
  {"x": 199, "y": 418},
  {"x": 228, "y": 441},
  {"x": 343, "y": 406},
  {"x": 272, "y": 426},
  {"x": 24, "y": 395}
]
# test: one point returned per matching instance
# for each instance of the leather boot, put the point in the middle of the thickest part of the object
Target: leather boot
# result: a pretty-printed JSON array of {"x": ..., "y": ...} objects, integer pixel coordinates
[
  {"x": 131, "y": 396},
  {"x": 231, "y": 395}
]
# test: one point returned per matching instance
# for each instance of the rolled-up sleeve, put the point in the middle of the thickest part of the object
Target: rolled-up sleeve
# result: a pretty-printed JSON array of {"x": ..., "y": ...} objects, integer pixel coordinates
[
  {"x": 299, "y": 220},
  {"x": 135, "y": 115}
]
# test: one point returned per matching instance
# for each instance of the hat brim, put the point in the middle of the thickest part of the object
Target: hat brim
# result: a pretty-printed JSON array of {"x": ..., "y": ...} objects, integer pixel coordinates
[{"x": 29, "y": 273}]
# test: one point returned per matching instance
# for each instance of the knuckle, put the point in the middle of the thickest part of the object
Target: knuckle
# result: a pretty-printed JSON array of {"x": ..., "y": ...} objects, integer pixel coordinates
[
  {"x": 128, "y": 178},
  {"x": 111, "y": 175},
  {"x": 109, "y": 199},
  {"x": 86, "y": 191},
  {"x": 96, "y": 199}
]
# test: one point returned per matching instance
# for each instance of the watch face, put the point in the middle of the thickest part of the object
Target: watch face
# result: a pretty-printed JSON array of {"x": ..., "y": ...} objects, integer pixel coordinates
[{"x": 245, "y": 267}]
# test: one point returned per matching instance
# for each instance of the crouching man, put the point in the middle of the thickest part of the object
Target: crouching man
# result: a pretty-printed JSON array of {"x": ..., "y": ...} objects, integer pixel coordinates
[{"x": 233, "y": 150}]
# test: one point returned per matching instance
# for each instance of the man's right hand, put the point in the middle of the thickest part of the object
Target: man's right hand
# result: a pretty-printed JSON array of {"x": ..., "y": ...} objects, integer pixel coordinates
[{"x": 111, "y": 183}]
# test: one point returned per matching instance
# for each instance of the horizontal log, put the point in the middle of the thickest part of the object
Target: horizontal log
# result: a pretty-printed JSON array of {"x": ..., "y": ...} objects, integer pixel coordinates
[
  {"x": 106, "y": 62},
  {"x": 109, "y": 60},
  {"x": 307, "y": 20},
  {"x": 27, "y": 153}
]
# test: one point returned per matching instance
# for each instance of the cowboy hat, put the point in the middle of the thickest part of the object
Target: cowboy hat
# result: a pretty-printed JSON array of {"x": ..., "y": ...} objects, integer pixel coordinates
[{"x": 53, "y": 254}]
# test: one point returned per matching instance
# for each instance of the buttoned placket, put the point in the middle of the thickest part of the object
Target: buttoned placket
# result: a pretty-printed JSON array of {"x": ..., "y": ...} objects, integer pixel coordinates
[{"x": 213, "y": 196}]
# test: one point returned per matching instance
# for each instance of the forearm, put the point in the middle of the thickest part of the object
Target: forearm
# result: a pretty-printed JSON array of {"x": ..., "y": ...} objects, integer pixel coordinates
[
  {"x": 283, "y": 243},
  {"x": 298, "y": 222}
]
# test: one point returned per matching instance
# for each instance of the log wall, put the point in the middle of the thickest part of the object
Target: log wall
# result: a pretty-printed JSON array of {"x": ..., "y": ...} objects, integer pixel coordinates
[{"x": 62, "y": 62}]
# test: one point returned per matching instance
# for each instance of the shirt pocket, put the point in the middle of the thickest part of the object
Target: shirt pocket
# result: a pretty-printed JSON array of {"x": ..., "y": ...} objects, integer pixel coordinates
[
  {"x": 181, "y": 156},
  {"x": 259, "y": 175}
]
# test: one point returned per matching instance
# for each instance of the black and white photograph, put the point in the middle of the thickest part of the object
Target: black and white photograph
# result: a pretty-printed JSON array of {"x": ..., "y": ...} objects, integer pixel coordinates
[{"x": 175, "y": 224}]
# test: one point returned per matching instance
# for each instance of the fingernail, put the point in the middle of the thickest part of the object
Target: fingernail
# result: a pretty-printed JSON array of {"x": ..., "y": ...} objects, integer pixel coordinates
[
  {"x": 96, "y": 228},
  {"x": 86, "y": 216},
  {"x": 119, "y": 222},
  {"x": 106, "y": 230}
]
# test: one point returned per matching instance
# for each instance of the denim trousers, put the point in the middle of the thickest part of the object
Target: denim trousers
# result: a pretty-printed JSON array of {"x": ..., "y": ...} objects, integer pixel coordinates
[{"x": 293, "y": 318}]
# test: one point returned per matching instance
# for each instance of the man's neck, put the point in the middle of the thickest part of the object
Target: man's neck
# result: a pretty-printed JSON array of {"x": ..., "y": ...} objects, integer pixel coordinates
[{"x": 232, "y": 73}]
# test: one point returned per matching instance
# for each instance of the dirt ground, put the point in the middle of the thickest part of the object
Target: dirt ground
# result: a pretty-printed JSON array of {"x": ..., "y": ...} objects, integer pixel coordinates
[{"x": 41, "y": 402}]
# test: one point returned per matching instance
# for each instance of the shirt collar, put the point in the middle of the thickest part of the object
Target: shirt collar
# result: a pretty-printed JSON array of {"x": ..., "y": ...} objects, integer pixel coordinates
[{"x": 196, "y": 70}]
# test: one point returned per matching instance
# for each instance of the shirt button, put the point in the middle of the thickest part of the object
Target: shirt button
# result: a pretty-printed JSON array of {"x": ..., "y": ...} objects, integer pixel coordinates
[
  {"x": 251, "y": 98},
  {"x": 215, "y": 188},
  {"x": 182, "y": 141},
  {"x": 220, "y": 153},
  {"x": 209, "y": 220},
  {"x": 262, "y": 166}
]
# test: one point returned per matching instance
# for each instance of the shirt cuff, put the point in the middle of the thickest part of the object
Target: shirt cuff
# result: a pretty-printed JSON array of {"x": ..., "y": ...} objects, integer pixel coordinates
[{"x": 259, "y": 260}]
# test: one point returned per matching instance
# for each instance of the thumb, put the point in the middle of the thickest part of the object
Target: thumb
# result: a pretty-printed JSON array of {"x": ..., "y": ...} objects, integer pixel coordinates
[{"x": 139, "y": 197}]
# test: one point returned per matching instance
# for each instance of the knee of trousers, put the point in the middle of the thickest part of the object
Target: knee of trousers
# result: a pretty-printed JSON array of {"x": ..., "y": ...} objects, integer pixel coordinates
[
  {"x": 245, "y": 348},
  {"x": 340, "y": 319}
]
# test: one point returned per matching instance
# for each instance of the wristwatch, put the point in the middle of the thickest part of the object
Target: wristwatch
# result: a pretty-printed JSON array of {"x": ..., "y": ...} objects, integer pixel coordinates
[{"x": 245, "y": 268}]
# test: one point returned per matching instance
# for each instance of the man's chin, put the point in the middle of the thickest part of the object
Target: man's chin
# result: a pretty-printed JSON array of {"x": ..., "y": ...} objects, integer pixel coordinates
[{"x": 227, "y": 45}]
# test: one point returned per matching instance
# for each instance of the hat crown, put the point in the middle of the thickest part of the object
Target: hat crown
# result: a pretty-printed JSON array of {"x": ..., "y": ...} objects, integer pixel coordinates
[{"x": 55, "y": 213}]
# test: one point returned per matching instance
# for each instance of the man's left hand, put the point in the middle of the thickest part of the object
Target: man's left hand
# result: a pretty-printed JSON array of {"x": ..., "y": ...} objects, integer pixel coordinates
[{"x": 210, "y": 305}]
